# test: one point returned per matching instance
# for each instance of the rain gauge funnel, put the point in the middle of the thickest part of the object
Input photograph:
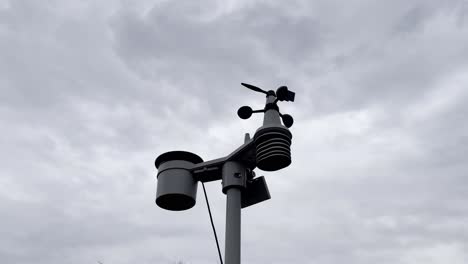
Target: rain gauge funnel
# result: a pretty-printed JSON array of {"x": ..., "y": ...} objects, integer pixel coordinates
[{"x": 177, "y": 188}]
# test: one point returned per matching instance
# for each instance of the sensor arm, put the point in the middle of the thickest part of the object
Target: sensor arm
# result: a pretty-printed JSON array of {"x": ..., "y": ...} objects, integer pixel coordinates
[{"x": 211, "y": 170}]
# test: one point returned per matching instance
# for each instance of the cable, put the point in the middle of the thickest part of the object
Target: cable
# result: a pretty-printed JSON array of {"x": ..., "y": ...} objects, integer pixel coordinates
[{"x": 212, "y": 224}]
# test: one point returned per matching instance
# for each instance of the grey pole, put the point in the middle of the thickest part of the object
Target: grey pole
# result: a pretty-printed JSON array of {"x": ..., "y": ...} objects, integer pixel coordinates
[
  {"x": 234, "y": 180},
  {"x": 233, "y": 226}
]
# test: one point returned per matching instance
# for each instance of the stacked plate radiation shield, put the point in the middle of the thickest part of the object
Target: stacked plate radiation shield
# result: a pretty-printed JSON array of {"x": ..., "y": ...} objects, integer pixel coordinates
[{"x": 273, "y": 148}]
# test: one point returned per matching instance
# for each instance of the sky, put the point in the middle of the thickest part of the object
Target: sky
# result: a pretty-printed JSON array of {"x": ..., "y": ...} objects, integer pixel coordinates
[{"x": 91, "y": 92}]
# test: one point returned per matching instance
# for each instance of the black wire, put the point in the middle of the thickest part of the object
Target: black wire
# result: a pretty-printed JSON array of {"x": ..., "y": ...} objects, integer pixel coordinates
[{"x": 212, "y": 224}]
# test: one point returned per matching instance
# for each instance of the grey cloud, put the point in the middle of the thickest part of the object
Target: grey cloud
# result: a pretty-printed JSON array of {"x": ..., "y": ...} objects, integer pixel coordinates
[
  {"x": 90, "y": 94},
  {"x": 200, "y": 56}
]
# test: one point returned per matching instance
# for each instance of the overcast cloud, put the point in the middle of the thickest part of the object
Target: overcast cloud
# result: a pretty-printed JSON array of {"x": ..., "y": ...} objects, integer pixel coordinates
[{"x": 92, "y": 91}]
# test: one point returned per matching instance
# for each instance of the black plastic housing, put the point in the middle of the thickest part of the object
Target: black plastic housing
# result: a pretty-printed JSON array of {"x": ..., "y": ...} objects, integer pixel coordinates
[{"x": 273, "y": 148}]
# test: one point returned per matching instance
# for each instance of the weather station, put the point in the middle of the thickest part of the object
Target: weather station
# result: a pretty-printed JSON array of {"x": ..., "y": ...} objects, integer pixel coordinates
[{"x": 269, "y": 150}]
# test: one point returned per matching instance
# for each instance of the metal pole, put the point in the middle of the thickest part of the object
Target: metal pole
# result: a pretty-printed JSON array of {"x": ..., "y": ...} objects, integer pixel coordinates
[
  {"x": 233, "y": 226},
  {"x": 234, "y": 180}
]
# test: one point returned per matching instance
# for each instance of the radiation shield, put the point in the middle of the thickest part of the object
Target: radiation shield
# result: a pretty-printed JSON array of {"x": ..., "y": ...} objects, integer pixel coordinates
[
  {"x": 273, "y": 148},
  {"x": 176, "y": 186}
]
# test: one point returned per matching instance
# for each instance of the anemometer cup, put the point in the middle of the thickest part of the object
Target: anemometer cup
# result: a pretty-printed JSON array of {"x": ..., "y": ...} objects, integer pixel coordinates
[
  {"x": 177, "y": 188},
  {"x": 273, "y": 148}
]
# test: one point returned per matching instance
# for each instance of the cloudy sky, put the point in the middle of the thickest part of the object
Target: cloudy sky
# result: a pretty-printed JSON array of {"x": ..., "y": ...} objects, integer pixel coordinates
[{"x": 92, "y": 91}]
